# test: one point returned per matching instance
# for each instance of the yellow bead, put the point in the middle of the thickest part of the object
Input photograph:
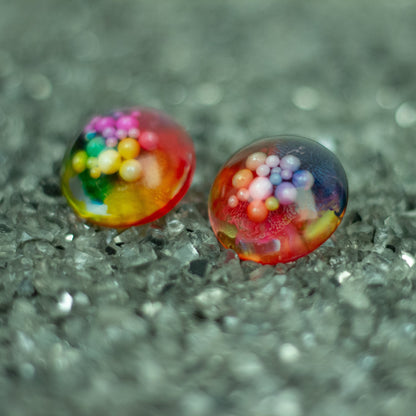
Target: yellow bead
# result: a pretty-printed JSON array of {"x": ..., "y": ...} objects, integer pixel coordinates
[
  {"x": 95, "y": 172},
  {"x": 92, "y": 162},
  {"x": 129, "y": 148},
  {"x": 79, "y": 161},
  {"x": 272, "y": 203},
  {"x": 109, "y": 161},
  {"x": 131, "y": 170},
  {"x": 325, "y": 225}
]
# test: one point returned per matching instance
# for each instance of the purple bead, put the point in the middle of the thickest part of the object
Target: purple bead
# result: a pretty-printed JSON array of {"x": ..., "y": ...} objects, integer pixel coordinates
[
  {"x": 121, "y": 134},
  {"x": 109, "y": 132},
  {"x": 286, "y": 193},
  {"x": 103, "y": 123},
  {"x": 303, "y": 179},
  {"x": 127, "y": 123},
  {"x": 286, "y": 174},
  {"x": 290, "y": 162}
]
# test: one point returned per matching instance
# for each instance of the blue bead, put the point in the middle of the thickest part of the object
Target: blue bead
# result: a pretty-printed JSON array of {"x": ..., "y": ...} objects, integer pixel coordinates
[
  {"x": 90, "y": 135},
  {"x": 275, "y": 179},
  {"x": 303, "y": 179}
]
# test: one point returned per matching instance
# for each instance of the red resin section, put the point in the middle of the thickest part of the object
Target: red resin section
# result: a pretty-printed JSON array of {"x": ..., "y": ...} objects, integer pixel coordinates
[
  {"x": 127, "y": 168},
  {"x": 278, "y": 199}
]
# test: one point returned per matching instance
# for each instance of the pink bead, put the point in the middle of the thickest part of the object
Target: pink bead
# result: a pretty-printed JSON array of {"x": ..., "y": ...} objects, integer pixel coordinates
[
  {"x": 135, "y": 113},
  {"x": 243, "y": 194},
  {"x": 94, "y": 120},
  {"x": 232, "y": 201},
  {"x": 134, "y": 133},
  {"x": 89, "y": 127},
  {"x": 127, "y": 123},
  {"x": 103, "y": 123},
  {"x": 263, "y": 170},
  {"x": 109, "y": 132},
  {"x": 121, "y": 134},
  {"x": 272, "y": 161},
  {"x": 260, "y": 188},
  {"x": 148, "y": 140},
  {"x": 111, "y": 142}
]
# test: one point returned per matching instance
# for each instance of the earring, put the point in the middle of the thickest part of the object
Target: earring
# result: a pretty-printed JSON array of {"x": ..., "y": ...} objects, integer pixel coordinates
[
  {"x": 278, "y": 199},
  {"x": 127, "y": 168}
]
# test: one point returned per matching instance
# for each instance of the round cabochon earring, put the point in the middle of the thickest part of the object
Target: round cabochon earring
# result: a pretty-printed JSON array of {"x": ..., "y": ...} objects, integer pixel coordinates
[
  {"x": 278, "y": 199},
  {"x": 127, "y": 168}
]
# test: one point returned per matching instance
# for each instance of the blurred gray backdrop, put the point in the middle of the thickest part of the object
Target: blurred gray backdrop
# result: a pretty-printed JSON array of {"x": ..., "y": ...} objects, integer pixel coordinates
[{"x": 159, "y": 320}]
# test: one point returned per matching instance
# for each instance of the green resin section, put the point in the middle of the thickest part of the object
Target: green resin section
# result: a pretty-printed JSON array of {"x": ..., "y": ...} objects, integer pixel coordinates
[{"x": 97, "y": 188}]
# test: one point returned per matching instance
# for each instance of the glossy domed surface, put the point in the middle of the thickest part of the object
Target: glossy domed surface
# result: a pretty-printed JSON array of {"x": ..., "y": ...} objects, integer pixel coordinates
[
  {"x": 278, "y": 199},
  {"x": 128, "y": 168}
]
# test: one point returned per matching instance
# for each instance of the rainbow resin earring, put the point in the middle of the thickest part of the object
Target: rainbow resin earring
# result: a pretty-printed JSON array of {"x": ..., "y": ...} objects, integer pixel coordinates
[
  {"x": 127, "y": 168},
  {"x": 278, "y": 199}
]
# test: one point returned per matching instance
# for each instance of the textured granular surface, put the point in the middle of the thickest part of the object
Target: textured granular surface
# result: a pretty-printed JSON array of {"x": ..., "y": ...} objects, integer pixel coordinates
[{"x": 159, "y": 319}]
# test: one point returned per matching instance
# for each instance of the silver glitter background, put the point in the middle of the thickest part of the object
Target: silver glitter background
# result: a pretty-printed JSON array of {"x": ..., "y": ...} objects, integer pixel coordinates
[{"x": 159, "y": 320}]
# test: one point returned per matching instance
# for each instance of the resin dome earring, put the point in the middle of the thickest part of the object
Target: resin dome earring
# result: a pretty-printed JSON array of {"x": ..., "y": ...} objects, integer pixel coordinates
[
  {"x": 127, "y": 168},
  {"x": 278, "y": 199}
]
